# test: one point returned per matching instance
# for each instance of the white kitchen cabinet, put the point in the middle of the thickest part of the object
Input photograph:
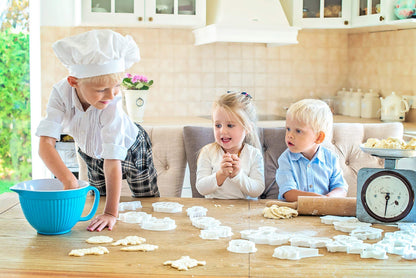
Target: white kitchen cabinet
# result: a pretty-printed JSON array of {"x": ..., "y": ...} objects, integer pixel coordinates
[
  {"x": 373, "y": 13},
  {"x": 144, "y": 13},
  {"x": 318, "y": 13},
  {"x": 356, "y": 15}
]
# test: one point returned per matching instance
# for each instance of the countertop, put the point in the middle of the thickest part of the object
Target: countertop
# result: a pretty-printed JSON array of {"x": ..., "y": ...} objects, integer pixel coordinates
[
  {"x": 25, "y": 253},
  {"x": 409, "y": 127}
]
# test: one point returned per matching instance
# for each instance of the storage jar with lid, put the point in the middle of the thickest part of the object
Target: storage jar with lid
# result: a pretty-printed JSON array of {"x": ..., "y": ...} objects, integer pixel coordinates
[
  {"x": 370, "y": 105},
  {"x": 346, "y": 102},
  {"x": 338, "y": 102},
  {"x": 355, "y": 104}
]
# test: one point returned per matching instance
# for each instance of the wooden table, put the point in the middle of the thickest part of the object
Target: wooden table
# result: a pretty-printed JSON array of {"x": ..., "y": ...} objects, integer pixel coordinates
[{"x": 23, "y": 252}]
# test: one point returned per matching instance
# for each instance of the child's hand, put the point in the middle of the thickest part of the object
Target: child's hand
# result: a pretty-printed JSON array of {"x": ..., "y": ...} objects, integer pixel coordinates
[
  {"x": 102, "y": 221},
  {"x": 236, "y": 165},
  {"x": 73, "y": 184},
  {"x": 226, "y": 165}
]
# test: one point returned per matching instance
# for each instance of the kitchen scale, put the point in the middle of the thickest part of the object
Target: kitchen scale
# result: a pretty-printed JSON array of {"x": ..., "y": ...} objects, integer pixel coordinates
[{"x": 386, "y": 196}]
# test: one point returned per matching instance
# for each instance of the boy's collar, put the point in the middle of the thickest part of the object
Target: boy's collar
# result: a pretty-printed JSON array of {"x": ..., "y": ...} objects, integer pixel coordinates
[{"x": 318, "y": 155}]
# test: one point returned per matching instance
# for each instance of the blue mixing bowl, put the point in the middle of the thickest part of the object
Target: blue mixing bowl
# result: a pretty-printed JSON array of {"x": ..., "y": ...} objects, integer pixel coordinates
[{"x": 50, "y": 209}]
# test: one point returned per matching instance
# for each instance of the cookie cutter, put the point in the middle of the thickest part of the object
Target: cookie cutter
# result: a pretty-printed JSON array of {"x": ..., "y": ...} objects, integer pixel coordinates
[
  {"x": 266, "y": 235},
  {"x": 241, "y": 246},
  {"x": 364, "y": 233},
  {"x": 134, "y": 216},
  {"x": 123, "y": 206},
  {"x": 407, "y": 227},
  {"x": 409, "y": 253},
  {"x": 158, "y": 224},
  {"x": 331, "y": 219},
  {"x": 310, "y": 242},
  {"x": 347, "y": 226},
  {"x": 357, "y": 248},
  {"x": 216, "y": 232},
  {"x": 169, "y": 207},
  {"x": 294, "y": 252},
  {"x": 205, "y": 222},
  {"x": 196, "y": 211},
  {"x": 374, "y": 252}
]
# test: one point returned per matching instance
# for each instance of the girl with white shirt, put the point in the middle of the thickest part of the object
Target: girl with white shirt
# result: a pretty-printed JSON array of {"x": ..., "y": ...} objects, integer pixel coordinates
[{"x": 232, "y": 167}]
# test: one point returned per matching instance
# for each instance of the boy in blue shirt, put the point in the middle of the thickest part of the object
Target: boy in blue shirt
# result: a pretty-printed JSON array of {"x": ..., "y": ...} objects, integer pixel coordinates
[{"x": 305, "y": 167}]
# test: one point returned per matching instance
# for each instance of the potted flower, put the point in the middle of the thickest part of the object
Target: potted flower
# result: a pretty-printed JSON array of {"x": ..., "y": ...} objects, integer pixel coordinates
[{"x": 135, "y": 94}]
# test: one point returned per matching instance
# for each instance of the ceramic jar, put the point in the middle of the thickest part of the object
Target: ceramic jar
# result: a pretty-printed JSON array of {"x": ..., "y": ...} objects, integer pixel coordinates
[
  {"x": 370, "y": 105},
  {"x": 355, "y": 104}
]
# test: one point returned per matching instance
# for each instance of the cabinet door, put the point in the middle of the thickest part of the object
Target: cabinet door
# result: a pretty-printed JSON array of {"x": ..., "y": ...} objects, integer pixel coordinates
[
  {"x": 112, "y": 12},
  {"x": 322, "y": 13},
  {"x": 185, "y": 13},
  {"x": 368, "y": 13}
]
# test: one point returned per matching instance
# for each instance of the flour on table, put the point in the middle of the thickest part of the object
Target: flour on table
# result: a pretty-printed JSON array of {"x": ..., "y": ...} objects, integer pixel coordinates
[
  {"x": 130, "y": 240},
  {"x": 99, "y": 239},
  {"x": 100, "y": 250},
  {"x": 142, "y": 247},
  {"x": 276, "y": 212},
  {"x": 184, "y": 263}
]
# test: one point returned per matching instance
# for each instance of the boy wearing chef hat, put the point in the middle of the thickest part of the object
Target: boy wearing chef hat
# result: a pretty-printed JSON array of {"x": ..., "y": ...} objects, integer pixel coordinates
[
  {"x": 87, "y": 105},
  {"x": 306, "y": 168}
]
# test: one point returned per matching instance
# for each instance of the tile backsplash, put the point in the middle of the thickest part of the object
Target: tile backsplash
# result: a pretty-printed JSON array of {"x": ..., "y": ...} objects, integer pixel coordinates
[{"x": 188, "y": 78}]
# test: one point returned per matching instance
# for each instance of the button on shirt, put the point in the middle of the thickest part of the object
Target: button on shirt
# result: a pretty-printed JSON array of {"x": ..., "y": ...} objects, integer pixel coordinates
[
  {"x": 321, "y": 174},
  {"x": 107, "y": 133}
]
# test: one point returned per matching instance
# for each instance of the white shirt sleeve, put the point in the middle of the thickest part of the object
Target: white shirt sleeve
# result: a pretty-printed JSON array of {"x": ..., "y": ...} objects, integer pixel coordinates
[
  {"x": 51, "y": 125},
  {"x": 206, "y": 179}
]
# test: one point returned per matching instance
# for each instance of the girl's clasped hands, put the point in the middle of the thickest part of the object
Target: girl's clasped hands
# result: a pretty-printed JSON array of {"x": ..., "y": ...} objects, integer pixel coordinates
[{"x": 230, "y": 165}]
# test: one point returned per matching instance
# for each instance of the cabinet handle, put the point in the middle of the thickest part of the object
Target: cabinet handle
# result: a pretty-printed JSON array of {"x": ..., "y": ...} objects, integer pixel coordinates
[
  {"x": 140, "y": 18},
  {"x": 346, "y": 22},
  {"x": 381, "y": 18},
  {"x": 150, "y": 19}
]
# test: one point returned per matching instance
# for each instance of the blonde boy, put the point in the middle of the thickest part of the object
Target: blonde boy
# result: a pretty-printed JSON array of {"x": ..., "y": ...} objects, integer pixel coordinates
[
  {"x": 87, "y": 105},
  {"x": 305, "y": 167}
]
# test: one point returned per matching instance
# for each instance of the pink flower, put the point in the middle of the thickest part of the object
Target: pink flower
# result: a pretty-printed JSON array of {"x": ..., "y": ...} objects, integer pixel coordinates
[
  {"x": 135, "y": 79},
  {"x": 128, "y": 75},
  {"x": 142, "y": 78}
]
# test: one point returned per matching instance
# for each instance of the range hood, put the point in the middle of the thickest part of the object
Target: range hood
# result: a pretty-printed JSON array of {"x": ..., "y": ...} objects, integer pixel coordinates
[{"x": 248, "y": 21}]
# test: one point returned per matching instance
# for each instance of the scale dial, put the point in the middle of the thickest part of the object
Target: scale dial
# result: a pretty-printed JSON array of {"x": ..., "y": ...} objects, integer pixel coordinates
[{"x": 387, "y": 196}]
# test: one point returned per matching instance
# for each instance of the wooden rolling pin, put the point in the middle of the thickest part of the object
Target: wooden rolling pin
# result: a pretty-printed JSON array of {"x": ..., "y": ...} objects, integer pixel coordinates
[{"x": 306, "y": 205}]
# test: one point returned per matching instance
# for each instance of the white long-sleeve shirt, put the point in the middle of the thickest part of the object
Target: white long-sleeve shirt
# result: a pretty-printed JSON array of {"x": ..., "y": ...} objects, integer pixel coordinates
[
  {"x": 107, "y": 133},
  {"x": 249, "y": 182}
]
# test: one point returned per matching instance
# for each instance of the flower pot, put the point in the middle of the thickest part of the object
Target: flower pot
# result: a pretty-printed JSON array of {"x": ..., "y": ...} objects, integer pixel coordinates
[{"x": 136, "y": 103}]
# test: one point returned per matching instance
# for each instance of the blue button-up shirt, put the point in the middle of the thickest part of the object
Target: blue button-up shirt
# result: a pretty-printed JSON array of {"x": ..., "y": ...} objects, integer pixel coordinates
[{"x": 321, "y": 174}]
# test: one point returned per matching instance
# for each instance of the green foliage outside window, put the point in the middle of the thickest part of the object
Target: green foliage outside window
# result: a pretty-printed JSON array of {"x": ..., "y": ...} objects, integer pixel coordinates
[
  {"x": 15, "y": 149},
  {"x": 15, "y": 133}
]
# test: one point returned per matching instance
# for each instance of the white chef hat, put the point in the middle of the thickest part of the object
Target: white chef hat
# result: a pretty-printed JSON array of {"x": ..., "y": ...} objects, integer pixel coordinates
[{"x": 97, "y": 52}]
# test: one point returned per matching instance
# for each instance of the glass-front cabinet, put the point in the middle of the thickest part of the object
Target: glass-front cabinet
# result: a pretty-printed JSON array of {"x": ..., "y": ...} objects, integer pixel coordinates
[
  {"x": 181, "y": 13},
  {"x": 322, "y": 13},
  {"x": 369, "y": 12}
]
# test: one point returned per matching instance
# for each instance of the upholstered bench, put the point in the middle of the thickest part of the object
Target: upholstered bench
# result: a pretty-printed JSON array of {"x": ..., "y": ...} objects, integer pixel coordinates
[{"x": 344, "y": 141}]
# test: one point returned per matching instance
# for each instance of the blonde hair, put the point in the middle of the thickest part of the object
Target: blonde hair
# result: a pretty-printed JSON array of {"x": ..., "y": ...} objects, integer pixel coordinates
[
  {"x": 241, "y": 106},
  {"x": 314, "y": 113},
  {"x": 97, "y": 80}
]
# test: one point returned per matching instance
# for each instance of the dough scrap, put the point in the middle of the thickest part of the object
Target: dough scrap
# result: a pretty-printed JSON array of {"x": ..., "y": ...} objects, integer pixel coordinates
[
  {"x": 184, "y": 263},
  {"x": 100, "y": 250},
  {"x": 99, "y": 239},
  {"x": 130, "y": 240},
  {"x": 276, "y": 212},
  {"x": 142, "y": 247}
]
